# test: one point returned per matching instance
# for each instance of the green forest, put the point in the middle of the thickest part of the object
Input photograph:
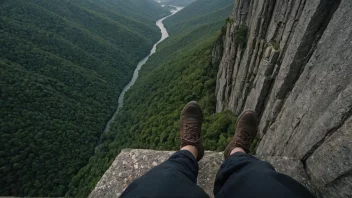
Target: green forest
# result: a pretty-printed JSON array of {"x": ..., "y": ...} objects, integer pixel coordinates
[
  {"x": 180, "y": 71},
  {"x": 63, "y": 64}
]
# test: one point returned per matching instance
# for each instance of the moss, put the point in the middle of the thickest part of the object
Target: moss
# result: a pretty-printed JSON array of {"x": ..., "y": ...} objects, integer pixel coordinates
[
  {"x": 251, "y": 84},
  {"x": 275, "y": 45},
  {"x": 254, "y": 145},
  {"x": 221, "y": 34},
  {"x": 242, "y": 36},
  {"x": 230, "y": 20}
]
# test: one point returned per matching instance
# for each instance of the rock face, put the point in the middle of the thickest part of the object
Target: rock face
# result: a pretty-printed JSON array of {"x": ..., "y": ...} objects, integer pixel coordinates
[
  {"x": 131, "y": 164},
  {"x": 291, "y": 61}
]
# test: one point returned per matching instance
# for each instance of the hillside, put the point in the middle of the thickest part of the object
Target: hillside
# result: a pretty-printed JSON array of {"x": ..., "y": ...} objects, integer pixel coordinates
[
  {"x": 290, "y": 61},
  {"x": 197, "y": 14},
  {"x": 63, "y": 65},
  {"x": 180, "y": 71}
]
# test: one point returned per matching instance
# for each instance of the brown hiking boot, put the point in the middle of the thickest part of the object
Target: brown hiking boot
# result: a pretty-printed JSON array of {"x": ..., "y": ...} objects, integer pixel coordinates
[
  {"x": 191, "y": 124},
  {"x": 246, "y": 130}
]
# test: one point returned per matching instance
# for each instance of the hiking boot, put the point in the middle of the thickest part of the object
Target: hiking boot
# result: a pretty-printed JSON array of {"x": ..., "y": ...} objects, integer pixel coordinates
[
  {"x": 191, "y": 124},
  {"x": 246, "y": 130}
]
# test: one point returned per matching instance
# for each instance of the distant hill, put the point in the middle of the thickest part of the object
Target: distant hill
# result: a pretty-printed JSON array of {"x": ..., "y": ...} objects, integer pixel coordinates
[
  {"x": 63, "y": 65},
  {"x": 197, "y": 14},
  {"x": 181, "y": 3}
]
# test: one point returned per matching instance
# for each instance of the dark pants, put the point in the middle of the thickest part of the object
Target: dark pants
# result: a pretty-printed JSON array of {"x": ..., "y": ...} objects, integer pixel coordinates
[{"x": 240, "y": 176}]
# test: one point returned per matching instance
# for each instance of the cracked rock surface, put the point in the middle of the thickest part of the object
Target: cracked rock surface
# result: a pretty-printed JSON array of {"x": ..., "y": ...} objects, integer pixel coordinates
[
  {"x": 133, "y": 163},
  {"x": 296, "y": 73}
]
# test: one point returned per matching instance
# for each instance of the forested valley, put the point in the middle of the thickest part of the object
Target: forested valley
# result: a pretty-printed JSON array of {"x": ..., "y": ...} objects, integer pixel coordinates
[
  {"x": 63, "y": 64},
  {"x": 180, "y": 71}
]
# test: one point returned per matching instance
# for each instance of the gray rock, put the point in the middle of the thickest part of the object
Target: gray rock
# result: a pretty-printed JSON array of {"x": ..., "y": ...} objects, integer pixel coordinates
[
  {"x": 289, "y": 166},
  {"x": 289, "y": 26},
  {"x": 131, "y": 164},
  {"x": 333, "y": 160},
  {"x": 321, "y": 99},
  {"x": 261, "y": 84},
  {"x": 296, "y": 53},
  {"x": 229, "y": 65},
  {"x": 314, "y": 123},
  {"x": 341, "y": 187},
  {"x": 296, "y": 73}
]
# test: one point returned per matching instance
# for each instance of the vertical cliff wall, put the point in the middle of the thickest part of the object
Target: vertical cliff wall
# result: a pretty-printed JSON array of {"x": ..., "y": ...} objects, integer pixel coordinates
[{"x": 291, "y": 61}]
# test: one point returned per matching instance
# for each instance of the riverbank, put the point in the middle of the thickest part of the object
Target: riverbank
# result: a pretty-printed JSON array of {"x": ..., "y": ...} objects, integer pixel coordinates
[{"x": 164, "y": 35}]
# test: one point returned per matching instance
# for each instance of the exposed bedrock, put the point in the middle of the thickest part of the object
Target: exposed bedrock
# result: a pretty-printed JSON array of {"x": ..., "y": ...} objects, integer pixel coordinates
[{"x": 291, "y": 61}]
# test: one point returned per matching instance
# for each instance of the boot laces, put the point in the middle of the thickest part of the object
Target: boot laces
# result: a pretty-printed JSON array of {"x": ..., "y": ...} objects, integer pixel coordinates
[
  {"x": 190, "y": 132},
  {"x": 243, "y": 138}
]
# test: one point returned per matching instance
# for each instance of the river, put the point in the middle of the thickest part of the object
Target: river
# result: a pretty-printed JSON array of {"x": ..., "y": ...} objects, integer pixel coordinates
[{"x": 164, "y": 35}]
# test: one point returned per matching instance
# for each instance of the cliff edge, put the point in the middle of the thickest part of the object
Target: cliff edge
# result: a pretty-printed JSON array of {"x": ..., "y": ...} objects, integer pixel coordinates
[
  {"x": 133, "y": 163},
  {"x": 291, "y": 61}
]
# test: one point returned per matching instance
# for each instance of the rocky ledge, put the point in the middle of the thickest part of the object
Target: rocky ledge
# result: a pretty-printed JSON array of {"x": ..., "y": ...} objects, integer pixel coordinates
[{"x": 133, "y": 163}]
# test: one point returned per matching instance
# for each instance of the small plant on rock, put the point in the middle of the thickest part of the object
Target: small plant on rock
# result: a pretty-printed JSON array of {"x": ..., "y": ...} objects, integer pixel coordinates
[{"x": 242, "y": 36}]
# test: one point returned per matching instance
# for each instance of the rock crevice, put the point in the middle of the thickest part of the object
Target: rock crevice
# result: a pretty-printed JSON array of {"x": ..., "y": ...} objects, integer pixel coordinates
[{"x": 295, "y": 72}]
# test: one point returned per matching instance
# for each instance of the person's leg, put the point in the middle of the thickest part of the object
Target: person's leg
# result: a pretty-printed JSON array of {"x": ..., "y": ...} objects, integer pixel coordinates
[
  {"x": 243, "y": 175},
  {"x": 176, "y": 177}
]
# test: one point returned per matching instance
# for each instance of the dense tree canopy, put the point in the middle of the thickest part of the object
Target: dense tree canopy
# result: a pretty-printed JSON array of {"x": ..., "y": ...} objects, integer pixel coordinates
[
  {"x": 63, "y": 65},
  {"x": 180, "y": 71}
]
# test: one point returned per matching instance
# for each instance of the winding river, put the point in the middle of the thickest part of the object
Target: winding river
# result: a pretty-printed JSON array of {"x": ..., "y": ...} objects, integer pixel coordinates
[{"x": 164, "y": 35}]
